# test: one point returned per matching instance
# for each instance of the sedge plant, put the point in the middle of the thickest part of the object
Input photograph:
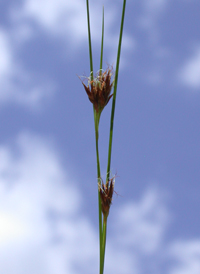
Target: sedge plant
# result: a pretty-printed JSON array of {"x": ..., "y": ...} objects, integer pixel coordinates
[{"x": 99, "y": 89}]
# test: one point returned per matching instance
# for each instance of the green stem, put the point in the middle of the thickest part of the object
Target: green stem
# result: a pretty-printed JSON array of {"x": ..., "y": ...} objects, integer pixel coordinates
[
  {"x": 102, "y": 230},
  {"x": 96, "y": 121},
  {"x": 115, "y": 92},
  {"x": 101, "y": 263},
  {"x": 102, "y": 38},
  {"x": 89, "y": 40},
  {"x": 103, "y": 244}
]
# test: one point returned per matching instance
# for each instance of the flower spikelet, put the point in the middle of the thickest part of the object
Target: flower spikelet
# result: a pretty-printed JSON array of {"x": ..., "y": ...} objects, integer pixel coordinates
[
  {"x": 106, "y": 193},
  {"x": 99, "y": 89}
]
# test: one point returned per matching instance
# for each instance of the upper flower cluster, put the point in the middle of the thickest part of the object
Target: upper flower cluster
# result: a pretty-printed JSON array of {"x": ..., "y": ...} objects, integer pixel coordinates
[{"x": 99, "y": 89}]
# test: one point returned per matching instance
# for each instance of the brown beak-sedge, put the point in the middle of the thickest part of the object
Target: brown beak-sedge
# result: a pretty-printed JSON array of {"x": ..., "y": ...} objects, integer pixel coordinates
[
  {"x": 106, "y": 193},
  {"x": 99, "y": 89}
]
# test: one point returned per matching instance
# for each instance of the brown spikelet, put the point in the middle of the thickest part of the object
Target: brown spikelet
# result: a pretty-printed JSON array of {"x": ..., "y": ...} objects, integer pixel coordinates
[
  {"x": 106, "y": 193},
  {"x": 99, "y": 89}
]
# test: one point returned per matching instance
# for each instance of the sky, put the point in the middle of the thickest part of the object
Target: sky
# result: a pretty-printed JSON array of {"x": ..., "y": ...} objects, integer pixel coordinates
[{"x": 48, "y": 180}]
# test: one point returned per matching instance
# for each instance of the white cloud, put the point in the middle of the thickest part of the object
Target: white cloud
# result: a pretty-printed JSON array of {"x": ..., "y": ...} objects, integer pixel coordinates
[
  {"x": 187, "y": 256},
  {"x": 63, "y": 19},
  {"x": 144, "y": 223},
  {"x": 60, "y": 17},
  {"x": 42, "y": 229},
  {"x": 152, "y": 10},
  {"x": 38, "y": 212},
  {"x": 189, "y": 74},
  {"x": 16, "y": 83},
  {"x": 155, "y": 6},
  {"x": 5, "y": 54},
  {"x": 68, "y": 19}
]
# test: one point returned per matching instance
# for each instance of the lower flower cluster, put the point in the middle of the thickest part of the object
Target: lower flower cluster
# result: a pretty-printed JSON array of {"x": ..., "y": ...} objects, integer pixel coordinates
[{"x": 106, "y": 193}]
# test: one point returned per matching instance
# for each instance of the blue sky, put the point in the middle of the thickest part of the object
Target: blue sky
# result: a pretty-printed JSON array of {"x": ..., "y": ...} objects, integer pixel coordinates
[{"x": 48, "y": 186}]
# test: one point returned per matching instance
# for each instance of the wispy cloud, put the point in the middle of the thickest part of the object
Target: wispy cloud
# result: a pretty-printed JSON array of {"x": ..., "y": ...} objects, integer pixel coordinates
[
  {"x": 186, "y": 253},
  {"x": 150, "y": 15},
  {"x": 189, "y": 74},
  {"x": 17, "y": 84},
  {"x": 144, "y": 223},
  {"x": 43, "y": 229},
  {"x": 40, "y": 230},
  {"x": 57, "y": 17},
  {"x": 67, "y": 20}
]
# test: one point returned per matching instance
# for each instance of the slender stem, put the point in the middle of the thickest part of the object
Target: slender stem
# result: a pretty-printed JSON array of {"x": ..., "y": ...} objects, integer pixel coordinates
[
  {"x": 102, "y": 39},
  {"x": 89, "y": 40},
  {"x": 96, "y": 121},
  {"x": 101, "y": 263},
  {"x": 102, "y": 230},
  {"x": 115, "y": 92},
  {"x": 103, "y": 244}
]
